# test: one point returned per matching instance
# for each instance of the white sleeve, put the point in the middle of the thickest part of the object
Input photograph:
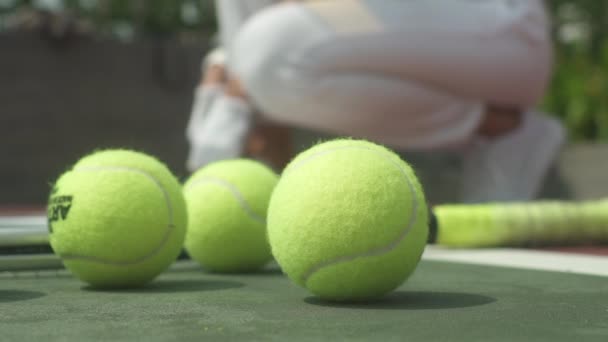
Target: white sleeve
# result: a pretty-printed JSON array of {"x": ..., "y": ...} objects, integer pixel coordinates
[{"x": 233, "y": 13}]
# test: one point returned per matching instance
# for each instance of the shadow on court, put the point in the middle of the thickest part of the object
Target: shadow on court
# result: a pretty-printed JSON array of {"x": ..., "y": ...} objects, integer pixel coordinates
[
  {"x": 173, "y": 286},
  {"x": 414, "y": 300},
  {"x": 269, "y": 270},
  {"x": 7, "y": 296}
]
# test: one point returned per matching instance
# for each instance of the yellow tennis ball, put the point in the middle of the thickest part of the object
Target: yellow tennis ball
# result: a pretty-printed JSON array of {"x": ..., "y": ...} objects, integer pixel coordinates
[
  {"x": 348, "y": 220},
  {"x": 117, "y": 218},
  {"x": 227, "y": 203}
]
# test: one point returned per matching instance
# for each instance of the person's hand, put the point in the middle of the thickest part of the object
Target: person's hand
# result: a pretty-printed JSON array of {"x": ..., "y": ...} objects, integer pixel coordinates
[
  {"x": 222, "y": 126},
  {"x": 214, "y": 68}
]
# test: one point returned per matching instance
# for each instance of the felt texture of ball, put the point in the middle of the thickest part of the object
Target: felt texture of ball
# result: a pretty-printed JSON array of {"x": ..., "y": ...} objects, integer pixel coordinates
[
  {"x": 348, "y": 220},
  {"x": 227, "y": 203},
  {"x": 117, "y": 218}
]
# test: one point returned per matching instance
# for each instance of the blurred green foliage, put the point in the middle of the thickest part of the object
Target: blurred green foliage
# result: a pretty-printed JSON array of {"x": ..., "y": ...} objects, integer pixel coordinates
[
  {"x": 578, "y": 93},
  {"x": 579, "y": 90}
]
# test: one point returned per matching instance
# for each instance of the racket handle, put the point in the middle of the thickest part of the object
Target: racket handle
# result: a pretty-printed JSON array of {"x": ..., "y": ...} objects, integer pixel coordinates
[{"x": 522, "y": 224}]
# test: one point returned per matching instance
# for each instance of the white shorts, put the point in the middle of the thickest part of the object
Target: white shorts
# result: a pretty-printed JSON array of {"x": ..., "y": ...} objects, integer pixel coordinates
[{"x": 411, "y": 74}]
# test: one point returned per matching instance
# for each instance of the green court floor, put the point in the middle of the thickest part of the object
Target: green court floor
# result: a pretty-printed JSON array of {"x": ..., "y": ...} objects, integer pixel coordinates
[{"x": 441, "y": 302}]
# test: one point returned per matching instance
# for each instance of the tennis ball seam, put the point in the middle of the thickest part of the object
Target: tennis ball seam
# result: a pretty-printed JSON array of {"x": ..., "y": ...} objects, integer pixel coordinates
[
  {"x": 377, "y": 251},
  {"x": 233, "y": 190},
  {"x": 157, "y": 249}
]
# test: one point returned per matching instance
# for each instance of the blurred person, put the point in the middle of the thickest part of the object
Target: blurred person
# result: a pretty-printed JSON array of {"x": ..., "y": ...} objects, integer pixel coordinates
[{"x": 429, "y": 75}]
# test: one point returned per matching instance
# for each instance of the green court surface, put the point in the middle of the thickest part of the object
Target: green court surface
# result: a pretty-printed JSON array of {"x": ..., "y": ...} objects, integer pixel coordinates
[{"x": 441, "y": 302}]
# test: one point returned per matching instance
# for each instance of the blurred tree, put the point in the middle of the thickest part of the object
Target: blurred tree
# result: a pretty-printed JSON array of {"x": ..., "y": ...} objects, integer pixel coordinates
[{"x": 579, "y": 90}]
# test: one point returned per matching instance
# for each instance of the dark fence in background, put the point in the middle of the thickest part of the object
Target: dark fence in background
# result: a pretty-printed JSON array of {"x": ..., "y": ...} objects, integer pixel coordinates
[{"x": 59, "y": 101}]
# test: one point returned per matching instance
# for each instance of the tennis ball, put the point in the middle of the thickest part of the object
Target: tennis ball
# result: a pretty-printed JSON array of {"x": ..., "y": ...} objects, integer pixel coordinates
[
  {"x": 117, "y": 218},
  {"x": 348, "y": 220},
  {"x": 227, "y": 203}
]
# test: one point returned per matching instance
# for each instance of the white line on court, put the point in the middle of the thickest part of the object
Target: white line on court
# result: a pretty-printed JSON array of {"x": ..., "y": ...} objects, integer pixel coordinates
[{"x": 521, "y": 258}]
